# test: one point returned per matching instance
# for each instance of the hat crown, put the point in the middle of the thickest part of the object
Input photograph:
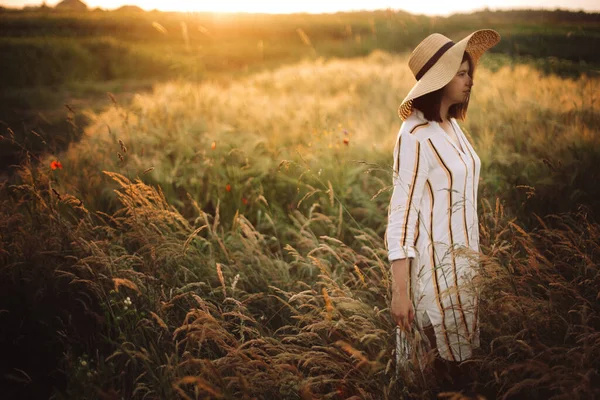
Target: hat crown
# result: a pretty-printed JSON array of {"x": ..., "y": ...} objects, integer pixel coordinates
[
  {"x": 436, "y": 59},
  {"x": 425, "y": 50}
]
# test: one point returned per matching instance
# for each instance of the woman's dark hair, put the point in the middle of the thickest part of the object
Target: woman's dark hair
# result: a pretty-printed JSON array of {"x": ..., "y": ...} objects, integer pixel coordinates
[{"x": 430, "y": 103}]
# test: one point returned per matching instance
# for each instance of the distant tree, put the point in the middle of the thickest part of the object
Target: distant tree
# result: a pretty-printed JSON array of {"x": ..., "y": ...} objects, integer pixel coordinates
[
  {"x": 129, "y": 9},
  {"x": 71, "y": 5}
]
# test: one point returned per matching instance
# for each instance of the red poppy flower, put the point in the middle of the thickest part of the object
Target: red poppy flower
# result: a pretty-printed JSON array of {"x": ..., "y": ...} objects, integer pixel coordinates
[
  {"x": 346, "y": 140},
  {"x": 228, "y": 187},
  {"x": 213, "y": 145},
  {"x": 244, "y": 200},
  {"x": 55, "y": 164}
]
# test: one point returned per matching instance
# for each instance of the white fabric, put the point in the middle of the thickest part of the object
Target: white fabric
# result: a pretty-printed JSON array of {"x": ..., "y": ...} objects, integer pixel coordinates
[{"x": 426, "y": 221}]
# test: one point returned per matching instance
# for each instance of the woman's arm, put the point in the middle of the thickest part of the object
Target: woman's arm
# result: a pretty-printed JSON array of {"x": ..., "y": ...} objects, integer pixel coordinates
[
  {"x": 411, "y": 169},
  {"x": 399, "y": 270}
]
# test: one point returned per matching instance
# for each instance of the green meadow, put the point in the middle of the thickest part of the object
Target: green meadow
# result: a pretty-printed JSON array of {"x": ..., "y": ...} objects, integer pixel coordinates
[{"x": 205, "y": 218}]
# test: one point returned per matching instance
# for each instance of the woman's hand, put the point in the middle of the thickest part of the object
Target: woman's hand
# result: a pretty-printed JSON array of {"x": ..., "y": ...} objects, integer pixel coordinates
[
  {"x": 401, "y": 306},
  {"x": 402, "y": 310}
]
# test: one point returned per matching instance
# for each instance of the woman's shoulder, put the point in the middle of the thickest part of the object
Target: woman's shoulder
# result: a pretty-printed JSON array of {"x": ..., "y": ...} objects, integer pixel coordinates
[{"x": 417, "y": 126}]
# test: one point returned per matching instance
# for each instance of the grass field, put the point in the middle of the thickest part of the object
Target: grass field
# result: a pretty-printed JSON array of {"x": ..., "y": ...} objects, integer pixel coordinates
[
  {"x": 223, "y": 237},
  {"x": 56, "y": 58},
  {"x": 237, "y": 246}
]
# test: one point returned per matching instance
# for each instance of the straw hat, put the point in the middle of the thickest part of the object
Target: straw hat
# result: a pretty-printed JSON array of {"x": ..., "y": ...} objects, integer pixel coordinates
[{"x": 436, "y": 59}]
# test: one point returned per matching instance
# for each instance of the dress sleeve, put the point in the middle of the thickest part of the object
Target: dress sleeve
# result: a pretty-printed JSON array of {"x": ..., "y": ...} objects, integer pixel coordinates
[{"x": 411, "y": 169}]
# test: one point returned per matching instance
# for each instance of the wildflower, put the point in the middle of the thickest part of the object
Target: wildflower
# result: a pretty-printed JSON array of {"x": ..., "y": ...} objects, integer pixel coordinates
[
  {"x": 244, "y": 200},
  {"x": 228, "y": 187},
  {"x": 346, "y": 141},
  {"x": 213, "y": 145},
  {"x": 89, "y": 374},
  {"x": 83, "y": 363},
  {"x": 55, "y": 164},
  {"x": 127, "y": 302}
]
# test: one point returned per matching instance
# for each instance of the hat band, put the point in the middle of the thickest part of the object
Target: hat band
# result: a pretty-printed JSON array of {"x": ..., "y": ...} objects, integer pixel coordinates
[{"x": 434, "y": 59}]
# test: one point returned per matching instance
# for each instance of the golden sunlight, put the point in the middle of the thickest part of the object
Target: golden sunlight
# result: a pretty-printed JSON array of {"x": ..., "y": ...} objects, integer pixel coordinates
[
  {"x": 310, "y": 6},
  {"x": 235, "y": 6},
  {"x": 427, "y": 7}
]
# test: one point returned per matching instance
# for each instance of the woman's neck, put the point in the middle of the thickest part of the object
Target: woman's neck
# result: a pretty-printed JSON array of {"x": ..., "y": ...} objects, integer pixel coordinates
[{"x": 444, "y": 107}]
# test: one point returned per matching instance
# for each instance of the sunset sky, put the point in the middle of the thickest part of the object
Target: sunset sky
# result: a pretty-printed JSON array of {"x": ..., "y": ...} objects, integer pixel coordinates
[{"x": 428, "y": 7}]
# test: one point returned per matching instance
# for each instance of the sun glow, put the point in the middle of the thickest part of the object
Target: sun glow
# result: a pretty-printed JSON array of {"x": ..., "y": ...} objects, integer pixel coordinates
[
  {"x": 220, "y": 6},
  {"x": 257, "y": 6},
  {"x": 311, "y": 6},
  {"x": 427, "y": 7}
]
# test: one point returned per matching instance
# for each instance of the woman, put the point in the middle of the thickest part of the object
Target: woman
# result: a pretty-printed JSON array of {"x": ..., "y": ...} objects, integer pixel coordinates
[{"x": 432, "y": 234}]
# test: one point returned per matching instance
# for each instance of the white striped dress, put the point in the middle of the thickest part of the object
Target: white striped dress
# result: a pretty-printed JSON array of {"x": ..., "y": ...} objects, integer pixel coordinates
[{"x": 438, "y": 229}]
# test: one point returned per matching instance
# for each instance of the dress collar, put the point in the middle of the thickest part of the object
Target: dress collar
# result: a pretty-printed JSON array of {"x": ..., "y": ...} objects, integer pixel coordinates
[{"x": 419, "y": 114}]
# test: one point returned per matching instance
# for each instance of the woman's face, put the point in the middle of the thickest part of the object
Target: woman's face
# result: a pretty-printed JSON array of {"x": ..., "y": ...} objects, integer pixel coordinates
[{"x": 458, "y": 89}]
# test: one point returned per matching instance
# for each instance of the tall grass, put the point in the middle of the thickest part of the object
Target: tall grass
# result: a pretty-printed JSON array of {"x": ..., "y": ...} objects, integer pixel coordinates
[
  {"x": 224, "y": 240},
  {"x": 521, "y": 130}
]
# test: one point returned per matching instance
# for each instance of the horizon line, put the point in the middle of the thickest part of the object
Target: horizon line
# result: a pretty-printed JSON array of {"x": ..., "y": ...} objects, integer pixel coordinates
[{"x": 26, "y": 7}]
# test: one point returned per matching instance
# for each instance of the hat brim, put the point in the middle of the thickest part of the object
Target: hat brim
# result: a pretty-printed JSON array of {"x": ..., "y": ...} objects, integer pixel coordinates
[{"x": 442, "y": 72}]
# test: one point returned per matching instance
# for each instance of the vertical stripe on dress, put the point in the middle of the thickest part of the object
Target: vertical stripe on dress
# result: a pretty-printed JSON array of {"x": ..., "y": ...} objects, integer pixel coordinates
[
  {"x": 435, "y": 277},
  {"x": 452, "y": 252},
  {"x": 417, "y": 228},
  {"x": 410, "y": 196},
  {"x": 467, "y": 145},
  {"x": 464, "y": 197},
  {"x": 413, "y": 130},
  {"x": 397, "y": 160}
]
